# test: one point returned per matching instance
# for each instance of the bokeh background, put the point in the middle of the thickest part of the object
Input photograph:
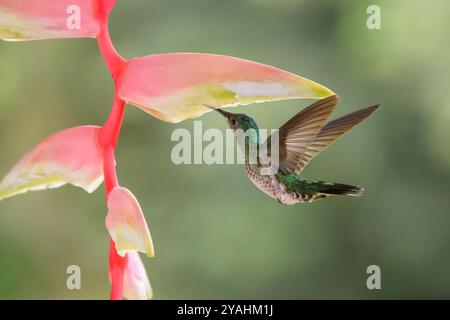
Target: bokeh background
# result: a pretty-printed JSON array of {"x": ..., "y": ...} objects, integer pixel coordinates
[{"x": 216, "y": 235}]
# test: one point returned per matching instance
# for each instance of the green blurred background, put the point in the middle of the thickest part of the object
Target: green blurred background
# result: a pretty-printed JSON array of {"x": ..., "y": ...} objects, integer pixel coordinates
[{"x": 216, "y": 235}]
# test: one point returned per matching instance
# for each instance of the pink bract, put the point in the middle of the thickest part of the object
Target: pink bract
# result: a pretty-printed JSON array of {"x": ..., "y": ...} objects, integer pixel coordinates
[
  {"x": 177, "y": 86},
  {"x": 71, "y": 156},
  {"x": 126, "y": 223},
  {"x": 49, "y": 19}
]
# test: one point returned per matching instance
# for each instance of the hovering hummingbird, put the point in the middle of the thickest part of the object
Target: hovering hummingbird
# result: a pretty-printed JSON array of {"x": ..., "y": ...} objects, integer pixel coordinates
[{"x": 300, "y": 140}]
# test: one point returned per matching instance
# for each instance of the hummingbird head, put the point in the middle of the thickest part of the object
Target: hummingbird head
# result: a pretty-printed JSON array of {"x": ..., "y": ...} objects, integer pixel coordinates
[
  {"x": 245, "y": 130},
  {"x": 237, "y": 120}
]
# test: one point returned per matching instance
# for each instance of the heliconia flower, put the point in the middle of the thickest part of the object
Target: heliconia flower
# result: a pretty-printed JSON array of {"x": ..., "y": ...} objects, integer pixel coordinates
[
  {"x": 126, "y": 223},
  {"x": 172, "y": 87},
  {"x": 71, "y": 156},
  {"x": 177, "y": 86},
  {"x": 47, "y": 19},
  {"x": 136, "y": 285}
]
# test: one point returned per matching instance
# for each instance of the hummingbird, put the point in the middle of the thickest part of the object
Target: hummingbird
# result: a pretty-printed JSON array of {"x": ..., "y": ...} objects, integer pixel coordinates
[{"x": 300, "y": 139}]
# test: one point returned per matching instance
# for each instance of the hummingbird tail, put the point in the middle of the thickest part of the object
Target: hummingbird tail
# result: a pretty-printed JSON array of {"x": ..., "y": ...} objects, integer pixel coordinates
[{"x": 330, "y": 188}]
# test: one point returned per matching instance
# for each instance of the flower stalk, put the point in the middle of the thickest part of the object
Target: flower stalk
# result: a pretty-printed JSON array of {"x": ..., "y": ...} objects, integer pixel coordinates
[{"x": 109, "y": 135}]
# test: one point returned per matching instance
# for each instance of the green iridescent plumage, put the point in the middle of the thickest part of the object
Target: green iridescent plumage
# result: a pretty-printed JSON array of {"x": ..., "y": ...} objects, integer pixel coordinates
[{"x": 299, "y": 140}]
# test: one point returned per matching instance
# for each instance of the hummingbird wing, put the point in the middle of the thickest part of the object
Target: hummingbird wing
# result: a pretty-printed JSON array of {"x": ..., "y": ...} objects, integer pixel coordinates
[
  {"x": 331, "y": 132},
  {"x": 296, "y": 135}
]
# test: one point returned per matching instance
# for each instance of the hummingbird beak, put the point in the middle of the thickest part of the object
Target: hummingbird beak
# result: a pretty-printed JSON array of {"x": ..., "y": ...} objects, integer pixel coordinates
[{"x": 224, "y": 113}]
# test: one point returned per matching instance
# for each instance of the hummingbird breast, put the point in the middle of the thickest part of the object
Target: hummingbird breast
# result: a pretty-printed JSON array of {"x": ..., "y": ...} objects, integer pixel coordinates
[{"x": 272, "y": 187}]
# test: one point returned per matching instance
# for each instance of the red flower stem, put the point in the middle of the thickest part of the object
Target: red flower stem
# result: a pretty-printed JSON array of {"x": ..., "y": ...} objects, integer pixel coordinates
[
  {"x": 116, "y": 267},
  {"x": 109, "y": 135},
  {"x": 111, "y": 129},
  {"x": 116, "y": 262},
  {"x": 113, "y": 60}
]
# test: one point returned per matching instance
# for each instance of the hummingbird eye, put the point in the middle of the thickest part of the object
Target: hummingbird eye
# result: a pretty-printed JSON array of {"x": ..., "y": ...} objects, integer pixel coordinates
[{"x": 233, "y": 121}]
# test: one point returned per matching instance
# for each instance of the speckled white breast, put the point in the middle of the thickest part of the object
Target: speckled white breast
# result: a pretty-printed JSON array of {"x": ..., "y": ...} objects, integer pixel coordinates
[{"x": 270, "y": 186}]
